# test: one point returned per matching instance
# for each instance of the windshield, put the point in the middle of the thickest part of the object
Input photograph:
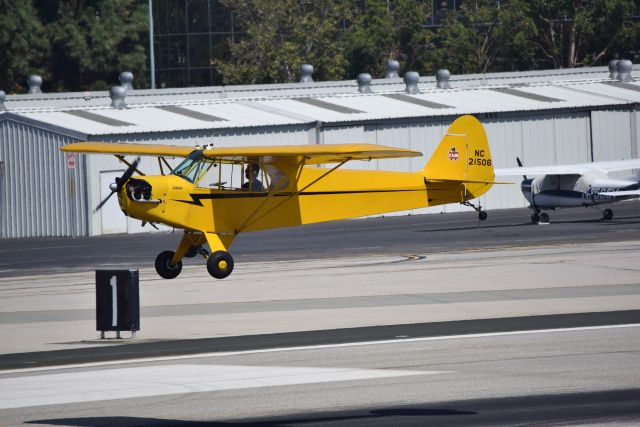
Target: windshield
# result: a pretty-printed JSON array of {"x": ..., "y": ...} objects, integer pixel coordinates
[{"x": 194, "y": 167}]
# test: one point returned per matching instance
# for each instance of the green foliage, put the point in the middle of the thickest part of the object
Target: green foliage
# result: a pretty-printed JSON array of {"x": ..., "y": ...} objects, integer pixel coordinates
[
  {"x": 84, "y": 44},
  {"x": 572, "y": 33},
  {"x": 93, "y": 43},
  {"x": 24, "y": 45},
  {"x": 281, "y": 35}
]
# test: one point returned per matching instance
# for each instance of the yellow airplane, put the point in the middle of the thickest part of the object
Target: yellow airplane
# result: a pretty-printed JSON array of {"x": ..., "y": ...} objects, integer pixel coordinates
[{"x": 285, "y": 186}]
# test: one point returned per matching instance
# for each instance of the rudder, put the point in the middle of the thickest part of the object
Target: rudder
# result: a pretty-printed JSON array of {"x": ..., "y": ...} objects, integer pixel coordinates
[{"x": 463, "y": 155}]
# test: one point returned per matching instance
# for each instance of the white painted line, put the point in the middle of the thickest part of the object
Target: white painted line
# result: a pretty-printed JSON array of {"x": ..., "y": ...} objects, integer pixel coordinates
[
  {"x": 145, "y": 381},
  {"x": 312, "y": 347}
]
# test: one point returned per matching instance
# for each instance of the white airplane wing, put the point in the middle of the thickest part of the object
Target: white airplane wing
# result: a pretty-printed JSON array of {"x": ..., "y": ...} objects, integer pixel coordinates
[
  {"x": 634, "y": 193},
  {"x": 575, "y": 169},
  {"x": 541, "y": 170}
]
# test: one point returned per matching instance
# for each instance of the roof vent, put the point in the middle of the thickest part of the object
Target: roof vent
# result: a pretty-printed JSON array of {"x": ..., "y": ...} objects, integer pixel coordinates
[
  {"x": 306, "y": 70},
  {"x": 392, "y": 69},
  {"x": 364, "y": 83},
  {"x": 613, "y": 69},
  {"x": 442, "y": 79},
  {"x": 35, "y": 84},
  {"x": 117, "y": 94},
  {"x": 126, "y": 78},
  {"x": 411, "y": 79},
  {"x": 624, "y": 67},
  {"x": 3, "y": 96}
]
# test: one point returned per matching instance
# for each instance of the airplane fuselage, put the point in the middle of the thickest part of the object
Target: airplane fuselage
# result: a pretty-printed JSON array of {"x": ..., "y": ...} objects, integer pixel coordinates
[{"x": 563, "y": 191}]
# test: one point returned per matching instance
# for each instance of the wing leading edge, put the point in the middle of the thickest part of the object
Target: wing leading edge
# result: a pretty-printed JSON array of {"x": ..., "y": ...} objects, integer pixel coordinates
[
  {"x": 575, "y": 169},
  {"x": 313, "y": 154}
]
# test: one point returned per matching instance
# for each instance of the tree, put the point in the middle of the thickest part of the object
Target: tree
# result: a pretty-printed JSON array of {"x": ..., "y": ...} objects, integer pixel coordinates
[
  {"x": 487, "y": 35},
  {"x": 584, "y": 32},
  {"x": 371, "y": 40},
  {"x": 24, "y": 45},
  {"x": 416, "y": 47},
  {"x": 281, "y": 35},
  {"x": 94, "y": 40}
]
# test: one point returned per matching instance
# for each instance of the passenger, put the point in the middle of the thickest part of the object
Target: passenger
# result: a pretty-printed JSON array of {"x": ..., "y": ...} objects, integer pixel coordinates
[{"x": 251, "y": 174}]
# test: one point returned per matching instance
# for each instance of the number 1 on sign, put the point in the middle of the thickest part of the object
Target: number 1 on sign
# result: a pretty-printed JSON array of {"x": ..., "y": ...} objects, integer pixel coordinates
[{"x": 114, "y": 301}]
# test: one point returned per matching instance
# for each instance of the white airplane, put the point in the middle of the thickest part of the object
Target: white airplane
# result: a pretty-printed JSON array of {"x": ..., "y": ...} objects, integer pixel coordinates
[{"x": 566, "y": 186}]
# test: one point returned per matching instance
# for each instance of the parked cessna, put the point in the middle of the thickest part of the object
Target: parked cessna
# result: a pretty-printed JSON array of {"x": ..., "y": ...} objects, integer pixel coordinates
[{"x": 565, "y": 186}]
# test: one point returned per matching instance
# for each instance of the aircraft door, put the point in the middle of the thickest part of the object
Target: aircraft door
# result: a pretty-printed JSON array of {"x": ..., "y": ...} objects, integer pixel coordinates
[{"x": 113, "y": 220}]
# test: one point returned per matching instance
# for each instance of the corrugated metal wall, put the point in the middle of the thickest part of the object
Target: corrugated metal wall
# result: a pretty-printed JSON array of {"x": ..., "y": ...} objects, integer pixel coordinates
[{"x": 39, "y": 194}]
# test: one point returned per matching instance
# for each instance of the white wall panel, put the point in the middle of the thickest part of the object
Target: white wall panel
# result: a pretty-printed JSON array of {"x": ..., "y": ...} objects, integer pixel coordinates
[
  {"x": 572, "y": 138},
  {"x": 611, "y": 132}
]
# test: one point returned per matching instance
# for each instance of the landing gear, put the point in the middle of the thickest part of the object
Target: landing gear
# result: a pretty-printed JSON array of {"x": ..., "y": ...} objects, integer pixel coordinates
[
  {"x": 607, "y": 215},
  {"x": 544, "y": 218},
  {"x": 164, "y": 267},
  {"x": 220, "y": 264},
  {"x": 195, "y": 250},
  {"x": 535, "y": 218},
  {"x": 482, "y": 215}
]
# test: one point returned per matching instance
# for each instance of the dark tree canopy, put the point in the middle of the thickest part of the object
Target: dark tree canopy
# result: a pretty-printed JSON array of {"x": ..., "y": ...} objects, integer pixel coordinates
[{"x": 80, "y": 45}]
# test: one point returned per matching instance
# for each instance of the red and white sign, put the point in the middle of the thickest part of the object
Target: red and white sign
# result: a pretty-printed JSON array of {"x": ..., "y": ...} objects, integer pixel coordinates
[
  {"x": 71, "y": 160},
  {"x": 453, "y": 154}
]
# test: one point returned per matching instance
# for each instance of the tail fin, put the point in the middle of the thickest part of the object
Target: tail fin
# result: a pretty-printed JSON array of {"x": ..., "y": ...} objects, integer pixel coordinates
[{"x": 463, "y": 158}]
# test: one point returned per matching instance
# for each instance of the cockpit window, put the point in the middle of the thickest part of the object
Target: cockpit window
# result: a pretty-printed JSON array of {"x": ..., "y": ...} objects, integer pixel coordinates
[{"x": 194, "y": 167}]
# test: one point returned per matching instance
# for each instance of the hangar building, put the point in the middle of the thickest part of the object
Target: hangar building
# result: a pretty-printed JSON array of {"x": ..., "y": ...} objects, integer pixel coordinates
[{"x": 544, "y": 117}]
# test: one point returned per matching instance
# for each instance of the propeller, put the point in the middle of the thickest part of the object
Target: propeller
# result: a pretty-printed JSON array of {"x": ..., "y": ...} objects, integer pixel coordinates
[
  {"x": 117, "y": 186},
  {"x": 520, "y": 165}
]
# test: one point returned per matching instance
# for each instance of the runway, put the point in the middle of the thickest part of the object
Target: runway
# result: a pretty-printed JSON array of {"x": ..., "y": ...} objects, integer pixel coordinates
[
  {"x": 437, "y": 319},
  {"x": 583, "y": 377}
]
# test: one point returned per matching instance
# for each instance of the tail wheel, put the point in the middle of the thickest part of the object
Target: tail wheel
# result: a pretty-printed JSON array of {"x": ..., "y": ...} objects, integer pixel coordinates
[
  {"x": 607, "y": 214},
  {"x": 544, "y": 218},
  {"x": 220, "y": 264},
  {"x": 482, "y": 215},
  {"x": 164, "y": 268}
]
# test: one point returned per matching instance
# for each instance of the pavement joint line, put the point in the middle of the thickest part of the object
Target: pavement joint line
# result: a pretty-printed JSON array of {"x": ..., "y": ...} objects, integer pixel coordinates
[{"x": 312, "y": 347}]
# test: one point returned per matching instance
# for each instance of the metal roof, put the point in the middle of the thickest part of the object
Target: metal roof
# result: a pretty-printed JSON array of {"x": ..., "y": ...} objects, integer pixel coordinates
[
  {"x": 172, "y": 95},
  {"x": 219, "y": 113}
]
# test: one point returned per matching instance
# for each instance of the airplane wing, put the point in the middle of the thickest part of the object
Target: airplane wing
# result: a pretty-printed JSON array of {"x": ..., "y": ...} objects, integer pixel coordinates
[
  {"x": 575, "y": 169},
  {"x": 634, "y": 193},
  {"x": 313, "y": 154},
  {"x": 127, "y": 149}
]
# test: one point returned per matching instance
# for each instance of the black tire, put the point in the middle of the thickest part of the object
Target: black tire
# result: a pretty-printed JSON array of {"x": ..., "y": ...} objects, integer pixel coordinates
[
  {"x": 535, "y": 218},
  {"x": 482, "y": 215},
  {"x": 164, "y": 268},
  {"x": 220, "y": 264},
  {"x": 544, "y": 218},
  {"x": 607, "y": 215}
]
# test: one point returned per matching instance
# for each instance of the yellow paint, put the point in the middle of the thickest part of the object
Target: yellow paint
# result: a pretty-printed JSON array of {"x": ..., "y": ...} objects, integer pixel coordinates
[
  {"x": 460, "y": 169},
  {"x": 222, "y": 264}
]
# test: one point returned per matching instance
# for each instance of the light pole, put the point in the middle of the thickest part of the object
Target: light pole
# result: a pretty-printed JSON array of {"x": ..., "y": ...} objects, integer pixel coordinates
[{"x": 151, "y": 56}]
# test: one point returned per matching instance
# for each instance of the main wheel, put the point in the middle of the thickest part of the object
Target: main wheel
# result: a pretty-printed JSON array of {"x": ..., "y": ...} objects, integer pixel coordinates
[
  {"x": 544, "y": 218},
  {"x": 164, "y": 267},
  {"x": 535, "y": 218},
  {"x": 220, "y": 264},
  {"x": 607, "y": 214},
  {"x": 482, "y": 215}
]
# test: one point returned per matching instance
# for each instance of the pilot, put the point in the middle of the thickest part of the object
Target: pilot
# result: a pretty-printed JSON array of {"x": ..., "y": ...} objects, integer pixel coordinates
[{"x": 251, "y": 174}]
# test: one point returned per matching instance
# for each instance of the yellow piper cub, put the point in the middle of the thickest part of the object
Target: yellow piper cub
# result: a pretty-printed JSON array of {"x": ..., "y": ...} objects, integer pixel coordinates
[{"x": 217, "y": 193}]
